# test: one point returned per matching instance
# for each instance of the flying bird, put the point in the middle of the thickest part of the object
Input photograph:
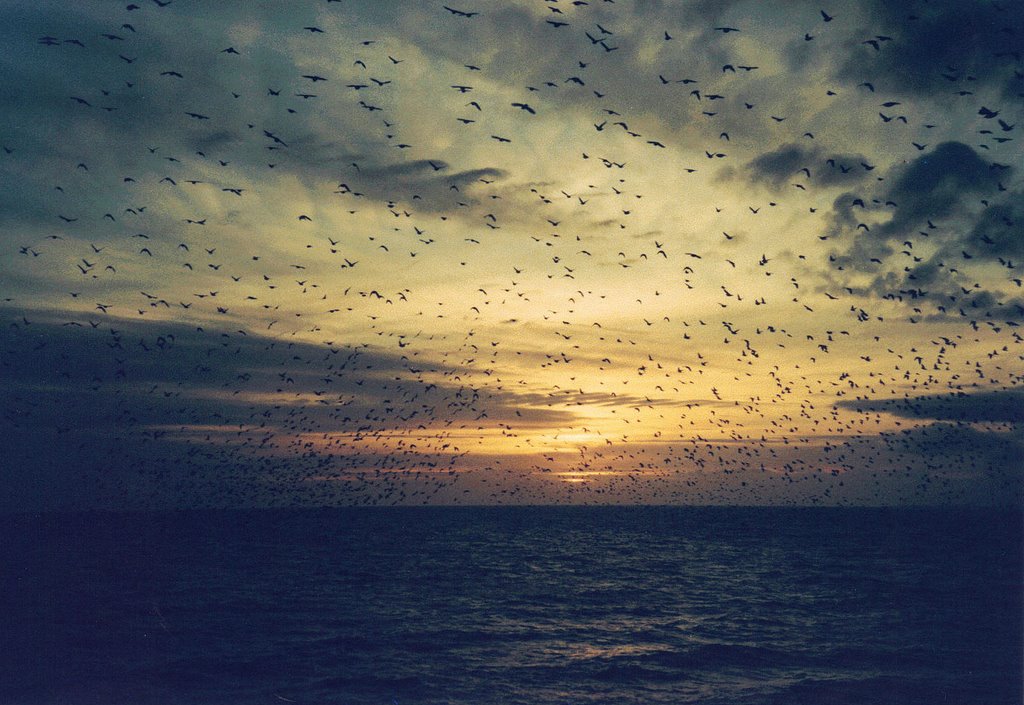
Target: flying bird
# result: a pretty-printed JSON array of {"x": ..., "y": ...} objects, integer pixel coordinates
[{"x": 460, "y": 13}]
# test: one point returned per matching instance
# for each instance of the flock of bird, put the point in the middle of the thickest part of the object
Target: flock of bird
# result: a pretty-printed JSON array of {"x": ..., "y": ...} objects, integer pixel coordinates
[{"x": 519, "y": 252}]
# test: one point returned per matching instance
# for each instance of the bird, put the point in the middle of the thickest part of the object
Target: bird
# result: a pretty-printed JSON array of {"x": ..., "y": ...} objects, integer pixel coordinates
[{"x": 460, "y": 13}]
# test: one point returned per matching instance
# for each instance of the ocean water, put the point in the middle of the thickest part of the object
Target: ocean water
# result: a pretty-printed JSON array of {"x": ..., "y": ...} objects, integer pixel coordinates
[{"x": 513, "y": 605}]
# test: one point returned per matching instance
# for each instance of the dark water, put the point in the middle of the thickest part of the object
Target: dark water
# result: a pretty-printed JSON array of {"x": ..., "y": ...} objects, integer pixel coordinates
[{"x": 513, "y": 605}]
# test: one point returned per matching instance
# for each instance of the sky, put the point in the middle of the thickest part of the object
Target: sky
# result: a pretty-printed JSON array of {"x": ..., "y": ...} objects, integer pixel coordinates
[{"x": 332, "y": 252}]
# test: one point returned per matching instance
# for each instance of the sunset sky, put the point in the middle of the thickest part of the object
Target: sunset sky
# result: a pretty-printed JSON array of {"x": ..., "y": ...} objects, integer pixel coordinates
[{"x": 534, "y": 251}]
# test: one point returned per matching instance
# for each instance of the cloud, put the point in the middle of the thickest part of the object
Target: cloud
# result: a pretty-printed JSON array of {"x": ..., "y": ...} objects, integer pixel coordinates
[
  {"x": 1003, "y": 406},
  {"x": 998, "y": 232},
  {"x": 141, "y": 114},
  {"x": 940, "y": 47},
  {"x": 119, "y": 410},
  {"x": 150, "y": 367},
  {"x": 787, "y": 161},
  {"x": 936, "y": 184},
  {"x": 936, "y": 218},
  {"x": 424, "y": 183},
  {"x": 967, "y": 442},
  {"x": 933, "y": 186}
]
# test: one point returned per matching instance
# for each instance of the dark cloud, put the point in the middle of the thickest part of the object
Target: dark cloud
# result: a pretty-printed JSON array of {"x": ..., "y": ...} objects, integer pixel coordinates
[
  {"x": 115, "y": 411},
  {"x": 940, "y": 47},
  {"x": 936, "y": 184},
  {"x": 999, "y": 232},
  {"x": 134, "y": 359},
  {"x": 777, "y": 167},
  {"x": 138, "y": 121},
  {"x": 1005, "y": 406},
  {"x": 937, "y": 463},
  {"x": 973, "y": 442},
  {"x": 939, "y": 216}
]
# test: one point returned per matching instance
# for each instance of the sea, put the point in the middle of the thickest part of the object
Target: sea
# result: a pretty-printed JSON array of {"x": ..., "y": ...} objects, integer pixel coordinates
[{"x": 513, "y": 606}]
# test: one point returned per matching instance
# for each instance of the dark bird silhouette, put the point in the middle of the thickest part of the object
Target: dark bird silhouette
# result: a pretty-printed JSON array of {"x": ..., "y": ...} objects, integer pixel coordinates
[{"x": 460, "y": 13}]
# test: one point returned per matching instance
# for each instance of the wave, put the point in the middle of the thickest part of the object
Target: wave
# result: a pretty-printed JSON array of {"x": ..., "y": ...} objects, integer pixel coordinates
[{"x": 715, "y": 657}]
